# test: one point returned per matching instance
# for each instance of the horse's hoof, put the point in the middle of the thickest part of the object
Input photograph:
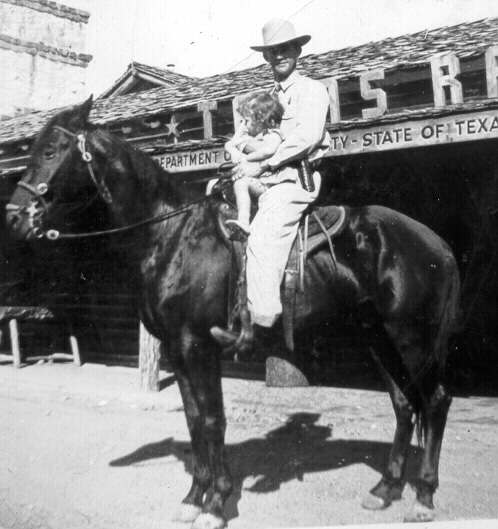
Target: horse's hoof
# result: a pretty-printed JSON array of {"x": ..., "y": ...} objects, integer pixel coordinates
[
  {"x": 187, "y": 513},
  {"x": 374, "y": 503},
  {"x": 420, "y": 513},
  {"x": 209, "y": 521}
]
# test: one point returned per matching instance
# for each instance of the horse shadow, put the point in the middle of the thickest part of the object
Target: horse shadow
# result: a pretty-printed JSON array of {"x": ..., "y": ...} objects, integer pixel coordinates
[{"x": 262, "y": 465}]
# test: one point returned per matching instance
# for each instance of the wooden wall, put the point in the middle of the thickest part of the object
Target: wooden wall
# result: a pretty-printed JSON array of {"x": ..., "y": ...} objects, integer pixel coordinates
[
  {"x": 82, "y": 282},
  {"x": 453, "y": 189}
]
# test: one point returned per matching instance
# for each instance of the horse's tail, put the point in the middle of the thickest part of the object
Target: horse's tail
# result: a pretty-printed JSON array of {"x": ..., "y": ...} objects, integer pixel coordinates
[{"x": 448, "y": 314}]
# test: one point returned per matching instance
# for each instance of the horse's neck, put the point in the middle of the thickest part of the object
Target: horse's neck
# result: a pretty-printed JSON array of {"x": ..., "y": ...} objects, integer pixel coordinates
[
  {"x": 138, "y": 187},
  {"x": 141, "y": 191}
]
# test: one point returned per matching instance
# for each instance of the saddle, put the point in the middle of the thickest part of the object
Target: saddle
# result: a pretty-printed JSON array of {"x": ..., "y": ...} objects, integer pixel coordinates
[{"x": 317, "y": 229}]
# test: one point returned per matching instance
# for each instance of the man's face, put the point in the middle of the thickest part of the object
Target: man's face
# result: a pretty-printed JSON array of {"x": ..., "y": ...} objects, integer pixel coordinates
[{"x": 282, "y": 59}]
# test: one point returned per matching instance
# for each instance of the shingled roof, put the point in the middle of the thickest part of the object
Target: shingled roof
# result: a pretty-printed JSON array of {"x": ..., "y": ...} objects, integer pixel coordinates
[
  {"x": 465, "y": 40},
  {"x": 53, "y": 8},
  {"x": 137, "y": 71}
]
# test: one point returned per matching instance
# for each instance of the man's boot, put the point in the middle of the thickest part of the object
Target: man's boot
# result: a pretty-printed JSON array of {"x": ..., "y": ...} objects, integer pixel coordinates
[
  {"x": 261, "y": 346},
  {"x": 234, "y": 345},
  {"x": 249, "y": 345}
]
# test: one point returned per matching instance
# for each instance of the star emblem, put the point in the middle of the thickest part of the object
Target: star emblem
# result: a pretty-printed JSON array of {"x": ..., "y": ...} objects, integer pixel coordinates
[{"x": 173, "y": 128}]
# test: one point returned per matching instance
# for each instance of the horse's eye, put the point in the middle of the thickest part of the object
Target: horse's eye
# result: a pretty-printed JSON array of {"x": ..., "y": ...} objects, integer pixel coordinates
[{"x": 49, "y": 154}]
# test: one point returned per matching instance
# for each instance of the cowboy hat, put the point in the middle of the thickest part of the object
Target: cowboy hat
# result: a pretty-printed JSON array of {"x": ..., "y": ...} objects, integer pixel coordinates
[{"x": 277, "y": 32}]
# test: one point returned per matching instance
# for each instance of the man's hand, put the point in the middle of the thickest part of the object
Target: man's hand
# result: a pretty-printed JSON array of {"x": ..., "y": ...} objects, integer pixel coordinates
[
  {"x": 236, "y": 156},
  {"x": 251, "y": 169}
]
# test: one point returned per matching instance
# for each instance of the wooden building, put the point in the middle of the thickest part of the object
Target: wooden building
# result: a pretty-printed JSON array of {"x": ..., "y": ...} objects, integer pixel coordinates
[{"x": 414, "y": 126}]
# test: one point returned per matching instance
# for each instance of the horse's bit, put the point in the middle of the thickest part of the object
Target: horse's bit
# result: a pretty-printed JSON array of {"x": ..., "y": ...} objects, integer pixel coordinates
[{"x": 38, "y": 205}]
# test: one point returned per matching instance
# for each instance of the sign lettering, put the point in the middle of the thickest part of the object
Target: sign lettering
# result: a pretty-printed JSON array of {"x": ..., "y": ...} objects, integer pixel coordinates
[
  {"x": 445, "y": 68},
  {"x": 367, "y": 92},
  {"x": 182, "y": 161},
  {"x": 448, "y": 129}
]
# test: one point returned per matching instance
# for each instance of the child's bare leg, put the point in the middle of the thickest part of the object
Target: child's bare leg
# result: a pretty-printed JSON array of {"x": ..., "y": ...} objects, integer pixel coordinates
[
  {"x": 255, "y": 187},
  {"x": 241, "y": 190}
]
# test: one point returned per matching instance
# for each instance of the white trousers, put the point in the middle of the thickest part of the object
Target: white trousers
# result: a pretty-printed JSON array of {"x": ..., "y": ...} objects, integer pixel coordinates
[{"x": 273, "y": 231}]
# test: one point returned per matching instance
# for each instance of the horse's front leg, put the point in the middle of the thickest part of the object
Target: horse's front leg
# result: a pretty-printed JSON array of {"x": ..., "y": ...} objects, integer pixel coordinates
[
  {"x": 198, "y": 371},
  {"x": 191, "y": 506}
]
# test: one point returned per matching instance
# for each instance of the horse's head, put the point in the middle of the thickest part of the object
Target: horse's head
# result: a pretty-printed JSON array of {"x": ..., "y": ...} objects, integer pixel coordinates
[{"x": 57, "y": 169}]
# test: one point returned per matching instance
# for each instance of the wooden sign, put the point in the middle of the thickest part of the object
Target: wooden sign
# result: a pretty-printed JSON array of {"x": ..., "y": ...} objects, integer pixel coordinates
[
  {"x": 192, "y": 160},
  {"x": 444, "y": 130}
]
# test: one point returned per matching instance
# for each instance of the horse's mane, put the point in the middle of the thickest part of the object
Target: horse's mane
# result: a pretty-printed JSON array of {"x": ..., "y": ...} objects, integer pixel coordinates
[{"x": 147, "y": 170}]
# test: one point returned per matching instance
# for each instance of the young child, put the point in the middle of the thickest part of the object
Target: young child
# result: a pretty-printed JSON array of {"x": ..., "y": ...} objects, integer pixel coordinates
[{"x": 257, "y": 138}]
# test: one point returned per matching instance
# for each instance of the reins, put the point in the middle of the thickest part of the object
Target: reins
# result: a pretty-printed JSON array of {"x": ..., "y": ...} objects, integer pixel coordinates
[{"x": 113, "y": 231}]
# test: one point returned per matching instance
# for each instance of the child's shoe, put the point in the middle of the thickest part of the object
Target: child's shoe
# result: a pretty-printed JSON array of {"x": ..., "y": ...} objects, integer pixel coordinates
[{"x": 239, "y": 231}]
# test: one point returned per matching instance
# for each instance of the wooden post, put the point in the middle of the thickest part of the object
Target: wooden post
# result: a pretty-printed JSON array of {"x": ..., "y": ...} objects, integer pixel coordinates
[
  {"x": 332, "y": 87},
  {"x": 14, "y": 342},
  {"x": 75, "y": 350},
  {"x": 205, "y": 107},
  {"x": 492, "y": 71},
  {"x": 148, "y": 360}
]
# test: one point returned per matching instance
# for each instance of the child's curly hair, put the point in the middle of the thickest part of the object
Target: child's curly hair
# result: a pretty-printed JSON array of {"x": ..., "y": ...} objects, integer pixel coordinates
[{"x": 264, "y": 108}]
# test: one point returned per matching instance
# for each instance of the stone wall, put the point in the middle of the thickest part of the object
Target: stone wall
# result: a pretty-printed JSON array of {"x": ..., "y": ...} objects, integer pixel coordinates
[{"x": 42, "y": 52}]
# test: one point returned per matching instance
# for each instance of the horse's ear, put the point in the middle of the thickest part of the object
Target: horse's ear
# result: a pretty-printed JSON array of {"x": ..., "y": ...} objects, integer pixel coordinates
[
  {"x": 86, "y": 107},
  {"x": 79, "y": 117}
]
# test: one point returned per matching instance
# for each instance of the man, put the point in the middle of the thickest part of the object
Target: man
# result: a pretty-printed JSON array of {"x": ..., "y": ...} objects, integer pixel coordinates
[{"x": 281, "y": 207}]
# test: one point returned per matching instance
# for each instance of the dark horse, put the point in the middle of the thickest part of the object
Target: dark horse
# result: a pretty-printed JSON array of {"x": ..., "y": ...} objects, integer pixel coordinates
[{"x": 397, "y": 274}]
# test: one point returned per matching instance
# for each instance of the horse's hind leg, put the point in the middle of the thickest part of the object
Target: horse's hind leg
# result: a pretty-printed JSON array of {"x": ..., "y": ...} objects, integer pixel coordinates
[
  {"x": 390, "y": 487},
  {"x": 434, "y": 415},
  {"x": 395, "y": 375},
  {"x": 392, "y": 483}
]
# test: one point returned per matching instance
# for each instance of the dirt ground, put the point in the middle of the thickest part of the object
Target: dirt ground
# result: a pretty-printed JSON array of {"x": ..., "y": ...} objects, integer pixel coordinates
[{"x": 84, "y": 448}]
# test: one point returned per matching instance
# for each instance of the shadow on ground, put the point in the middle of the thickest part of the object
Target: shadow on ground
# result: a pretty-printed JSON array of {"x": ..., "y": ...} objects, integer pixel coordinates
[{"x": 287, "y": 453}]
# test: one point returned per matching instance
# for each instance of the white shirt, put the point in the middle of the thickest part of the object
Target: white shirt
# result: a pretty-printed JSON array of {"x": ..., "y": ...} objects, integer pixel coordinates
[{"x": 306, "y": 103}]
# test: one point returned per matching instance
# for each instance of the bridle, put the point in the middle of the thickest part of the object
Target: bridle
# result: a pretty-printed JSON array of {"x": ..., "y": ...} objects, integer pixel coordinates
[{"x": 38, "y": 206}]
